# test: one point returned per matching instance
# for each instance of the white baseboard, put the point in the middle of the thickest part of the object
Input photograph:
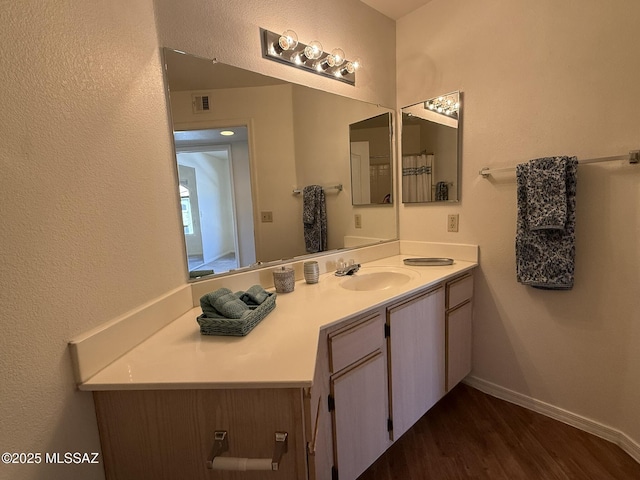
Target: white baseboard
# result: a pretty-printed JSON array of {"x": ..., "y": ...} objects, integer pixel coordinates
[{"x": 590, "y": 426}]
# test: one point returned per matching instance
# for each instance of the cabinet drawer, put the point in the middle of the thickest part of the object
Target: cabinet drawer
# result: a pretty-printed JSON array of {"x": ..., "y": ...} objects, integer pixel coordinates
[
  {"x": 355, "y": 341},
  {"x": 459, "y": 291}
]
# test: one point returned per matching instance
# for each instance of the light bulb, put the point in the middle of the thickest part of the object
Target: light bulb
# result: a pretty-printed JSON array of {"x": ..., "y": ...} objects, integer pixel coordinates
[
  {"x": 334, "y": 59},
  {"x": 326, "y": 63},
  {"x": 313, "y": 51},
  {"x": 288, "y": 40},
  {"x": 337, "y": 54},
  {"x": 352, "y": 66}
]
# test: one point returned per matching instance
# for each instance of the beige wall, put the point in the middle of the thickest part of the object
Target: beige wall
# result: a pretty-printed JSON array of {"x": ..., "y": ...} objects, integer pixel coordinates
[
  {"x": 542, "y": 78},
  {"x": 89, "y": 230}
]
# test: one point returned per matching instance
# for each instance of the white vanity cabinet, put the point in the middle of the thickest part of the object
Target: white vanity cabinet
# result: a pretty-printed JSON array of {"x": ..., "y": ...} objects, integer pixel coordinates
[
  {"x": 459, "y": 313},
  {"x": 376, "y": 373},
  {"x": 416, "y": 343},
  {"x": 358, "y": 399}
]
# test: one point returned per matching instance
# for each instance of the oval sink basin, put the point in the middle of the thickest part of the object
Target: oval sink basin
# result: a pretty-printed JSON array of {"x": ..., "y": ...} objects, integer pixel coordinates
[{"x": 375, "y": 281}]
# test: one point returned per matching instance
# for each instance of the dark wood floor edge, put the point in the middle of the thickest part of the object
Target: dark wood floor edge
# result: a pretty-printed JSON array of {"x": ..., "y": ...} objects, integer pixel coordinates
[{"x": 618, "y": 437}]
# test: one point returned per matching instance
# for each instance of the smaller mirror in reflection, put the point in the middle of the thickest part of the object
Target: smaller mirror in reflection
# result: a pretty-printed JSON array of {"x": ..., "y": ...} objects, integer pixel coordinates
[
  {"x": 371, "y": 175},
  {"x": 430, "y": 150}
]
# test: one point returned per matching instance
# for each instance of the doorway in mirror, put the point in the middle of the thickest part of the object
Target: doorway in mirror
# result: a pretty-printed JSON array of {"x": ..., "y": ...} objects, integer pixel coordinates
[{"x": 216, "y": 213}]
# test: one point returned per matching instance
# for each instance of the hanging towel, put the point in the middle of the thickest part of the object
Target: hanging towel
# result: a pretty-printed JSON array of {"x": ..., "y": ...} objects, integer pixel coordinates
[
  {"x": 547, "y": 193},
  {"x": 314, "y": 218},
  {"x": 545, "y": 257},
  {"x": 442, "y": 191}
]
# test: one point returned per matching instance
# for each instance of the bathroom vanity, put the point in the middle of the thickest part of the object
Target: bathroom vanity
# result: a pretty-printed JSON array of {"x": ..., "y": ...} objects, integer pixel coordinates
[{"x": 343, "y": 372}]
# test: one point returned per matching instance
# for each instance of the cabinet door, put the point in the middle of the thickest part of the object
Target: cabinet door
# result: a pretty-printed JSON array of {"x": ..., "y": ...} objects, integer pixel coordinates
[
  {"x": 458, "y": 344},
  {"x": 416, "y": 358},
  {"x": 360, "y": 415}
]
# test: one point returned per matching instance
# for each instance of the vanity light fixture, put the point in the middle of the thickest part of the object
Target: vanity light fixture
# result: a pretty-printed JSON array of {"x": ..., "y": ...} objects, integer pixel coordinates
[
  {"x": 286, "y": 49},
  {"x": 445, "y": 104}
]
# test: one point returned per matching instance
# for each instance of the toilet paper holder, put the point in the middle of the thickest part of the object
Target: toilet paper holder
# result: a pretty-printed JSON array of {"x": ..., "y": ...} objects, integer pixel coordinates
[{"x": 221, "y": 445}]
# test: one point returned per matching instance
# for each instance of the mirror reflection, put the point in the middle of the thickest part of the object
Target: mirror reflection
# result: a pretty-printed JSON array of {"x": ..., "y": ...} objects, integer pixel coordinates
[
  {"x": 371, "y": 171},
  {"x": 247, "y": 145},
  {"x": 430, "y": 150}
]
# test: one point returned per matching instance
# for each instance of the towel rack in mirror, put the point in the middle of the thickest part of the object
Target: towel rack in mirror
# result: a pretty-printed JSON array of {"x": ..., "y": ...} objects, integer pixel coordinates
[{"x": 338, "y": 187}]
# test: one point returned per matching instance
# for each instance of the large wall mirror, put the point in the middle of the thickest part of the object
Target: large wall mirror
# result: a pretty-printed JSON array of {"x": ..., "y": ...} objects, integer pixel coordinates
[
  {"x": 246, "y": 146},
  {"x": 431, "y": 139}
]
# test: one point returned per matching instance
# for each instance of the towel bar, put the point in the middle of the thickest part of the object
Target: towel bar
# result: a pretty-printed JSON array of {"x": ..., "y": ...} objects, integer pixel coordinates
[
  {"x": 633, "y": 157},
  {"x": 338, "y": 187}
]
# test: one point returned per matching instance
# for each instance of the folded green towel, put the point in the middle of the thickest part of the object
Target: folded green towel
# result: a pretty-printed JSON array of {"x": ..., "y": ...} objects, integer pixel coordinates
[
  {"x": 230, "y": 306},
  {"x": 213, "y": 323},
  {"x": 207, "y": 300},
  {"x": 254, "y": 295},
  {"x": 222, "y": 303}
]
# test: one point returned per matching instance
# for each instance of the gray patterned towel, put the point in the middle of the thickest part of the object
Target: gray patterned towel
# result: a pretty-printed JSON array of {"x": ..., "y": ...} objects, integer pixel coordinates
[
  {"x": 547, "y": 193},
  {"x": 545, "y": 258},
  {"x": 314, "y": 218}
]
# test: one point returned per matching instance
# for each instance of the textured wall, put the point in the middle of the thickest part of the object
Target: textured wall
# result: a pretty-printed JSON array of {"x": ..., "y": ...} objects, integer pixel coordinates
[
  {"x": 88, "y": 229},
  {"x": 542, "y": 78}
]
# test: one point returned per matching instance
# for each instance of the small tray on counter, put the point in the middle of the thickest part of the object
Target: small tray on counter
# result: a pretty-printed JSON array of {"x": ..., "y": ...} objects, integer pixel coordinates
[{"x": 428, "y": 261}]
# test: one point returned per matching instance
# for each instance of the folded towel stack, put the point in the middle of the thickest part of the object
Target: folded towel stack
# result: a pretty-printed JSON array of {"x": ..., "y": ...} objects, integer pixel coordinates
[
  {"x": 228, "y": 313},
  {"x": 545, "y": 239}
]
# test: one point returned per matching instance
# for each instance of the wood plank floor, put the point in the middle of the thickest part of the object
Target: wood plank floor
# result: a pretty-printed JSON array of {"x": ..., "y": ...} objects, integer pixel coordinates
[{"x": 469, "y": 434}]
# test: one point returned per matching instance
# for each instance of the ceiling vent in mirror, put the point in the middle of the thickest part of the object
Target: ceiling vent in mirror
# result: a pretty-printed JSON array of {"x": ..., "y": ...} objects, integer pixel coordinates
[{"x": 200, "y": 103}]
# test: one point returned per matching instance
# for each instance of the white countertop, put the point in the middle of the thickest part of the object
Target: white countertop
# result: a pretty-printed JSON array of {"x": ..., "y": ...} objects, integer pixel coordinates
[{"x": 279, "y": 352}]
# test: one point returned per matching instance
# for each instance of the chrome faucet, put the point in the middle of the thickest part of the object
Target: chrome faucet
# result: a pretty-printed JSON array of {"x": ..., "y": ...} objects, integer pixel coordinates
[{"x": 347, "y": 269}]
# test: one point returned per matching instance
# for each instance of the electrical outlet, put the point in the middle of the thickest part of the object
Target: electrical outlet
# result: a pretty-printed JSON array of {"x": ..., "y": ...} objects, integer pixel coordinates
[
  {"x": 358, "y": 220},
  {"x": 452, "y": 222},
  {"x": 267, "y": 217}
]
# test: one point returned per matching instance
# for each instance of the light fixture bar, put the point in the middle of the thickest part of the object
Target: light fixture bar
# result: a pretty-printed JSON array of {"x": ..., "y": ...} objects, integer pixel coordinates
[
  {"x": 448, "y": 104},
  {"x": 295, "y": 57}
]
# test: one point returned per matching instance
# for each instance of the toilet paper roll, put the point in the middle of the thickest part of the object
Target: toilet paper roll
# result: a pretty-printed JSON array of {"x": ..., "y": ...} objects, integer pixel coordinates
[{"x": 241, "y": 464}]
